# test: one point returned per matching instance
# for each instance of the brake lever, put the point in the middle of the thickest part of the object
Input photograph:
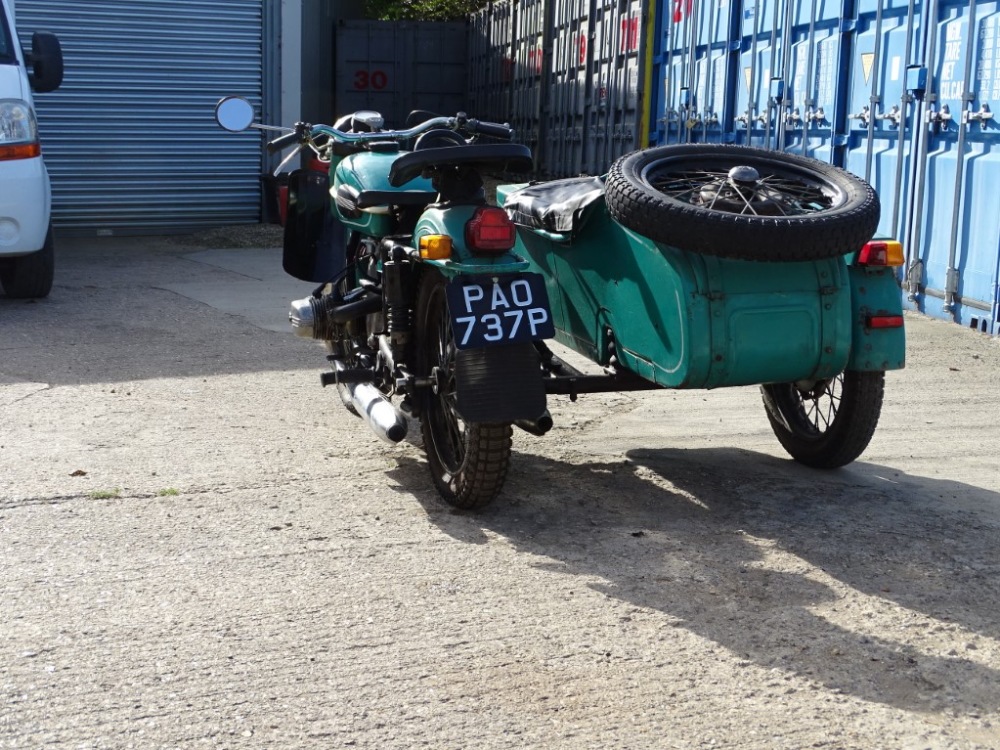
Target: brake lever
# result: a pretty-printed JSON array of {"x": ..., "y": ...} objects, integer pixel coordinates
[{"x": 291, "y": 155}]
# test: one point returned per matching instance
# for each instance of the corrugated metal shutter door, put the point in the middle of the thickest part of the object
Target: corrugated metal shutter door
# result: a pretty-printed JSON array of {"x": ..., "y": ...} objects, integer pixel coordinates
[{"x": 130, "y": 139}]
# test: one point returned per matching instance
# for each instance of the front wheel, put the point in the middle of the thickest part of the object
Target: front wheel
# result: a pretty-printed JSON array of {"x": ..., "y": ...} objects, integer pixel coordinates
[
  {"x": 468, "y": 460},
  {"x": 830, "y": 423},
  {"x": 30, "y": 276}
]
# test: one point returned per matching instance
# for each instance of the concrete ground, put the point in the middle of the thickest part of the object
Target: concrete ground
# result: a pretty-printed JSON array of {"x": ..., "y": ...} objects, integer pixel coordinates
[{"x": 200, "y": 547}]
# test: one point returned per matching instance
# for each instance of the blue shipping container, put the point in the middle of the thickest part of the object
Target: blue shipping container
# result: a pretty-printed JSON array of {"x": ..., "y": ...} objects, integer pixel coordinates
[{"x": 898, "y": 92}]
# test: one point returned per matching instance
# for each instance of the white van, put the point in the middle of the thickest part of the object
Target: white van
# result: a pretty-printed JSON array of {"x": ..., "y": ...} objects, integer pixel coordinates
[{"x": 27, "y": 259}]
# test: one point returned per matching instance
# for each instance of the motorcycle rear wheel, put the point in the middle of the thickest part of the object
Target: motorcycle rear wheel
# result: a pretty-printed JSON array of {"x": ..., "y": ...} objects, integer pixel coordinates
[
  {"x": 742, "y": 203},
  {"x": 468, "y": 460},
  {"x": 829, "y": 425}
]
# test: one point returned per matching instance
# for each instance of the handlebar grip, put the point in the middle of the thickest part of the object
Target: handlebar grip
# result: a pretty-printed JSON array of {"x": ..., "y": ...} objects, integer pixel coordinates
[
  {"x": 494, "y": 129},
  {"x": 283, "y": 142}
]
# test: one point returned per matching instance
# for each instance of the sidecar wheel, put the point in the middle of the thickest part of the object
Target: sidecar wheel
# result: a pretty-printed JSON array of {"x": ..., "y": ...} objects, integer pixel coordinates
[
  {"x": 829, "y": 425},
  {"x": 742, "y": 203},
  {"x": 468, "y": 460}
]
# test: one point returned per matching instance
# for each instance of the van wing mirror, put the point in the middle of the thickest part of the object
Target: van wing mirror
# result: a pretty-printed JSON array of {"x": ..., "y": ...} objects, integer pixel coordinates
[{"x": 46, "y": 60}]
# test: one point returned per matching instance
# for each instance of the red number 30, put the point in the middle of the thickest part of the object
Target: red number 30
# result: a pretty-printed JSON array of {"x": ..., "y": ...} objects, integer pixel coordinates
[{"x": 376, "y": 79}]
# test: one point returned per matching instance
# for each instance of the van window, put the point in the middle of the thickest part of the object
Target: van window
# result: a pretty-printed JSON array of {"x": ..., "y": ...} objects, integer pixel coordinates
[{"x": 6, "y": 42}]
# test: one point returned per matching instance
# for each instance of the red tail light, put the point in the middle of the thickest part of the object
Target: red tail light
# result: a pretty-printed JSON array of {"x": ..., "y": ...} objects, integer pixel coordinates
[
  {"x": 884, "y": 321},
  {"x": 490, "y": 231},
  {"x": 881, "y": 253}
]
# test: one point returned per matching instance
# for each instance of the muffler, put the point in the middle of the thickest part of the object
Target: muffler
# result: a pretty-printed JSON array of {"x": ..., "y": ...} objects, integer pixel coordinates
[
  {"x": 373, "y": 407},
  {"x": 536, "y": 426}
]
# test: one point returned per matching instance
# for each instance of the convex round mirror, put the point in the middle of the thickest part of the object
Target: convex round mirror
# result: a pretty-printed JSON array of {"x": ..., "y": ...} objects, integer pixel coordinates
[{"x": 234, "y": 113}]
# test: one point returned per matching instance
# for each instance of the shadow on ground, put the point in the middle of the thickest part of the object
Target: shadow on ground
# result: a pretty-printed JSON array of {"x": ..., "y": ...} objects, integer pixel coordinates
[{"x": 691, "y": 533}]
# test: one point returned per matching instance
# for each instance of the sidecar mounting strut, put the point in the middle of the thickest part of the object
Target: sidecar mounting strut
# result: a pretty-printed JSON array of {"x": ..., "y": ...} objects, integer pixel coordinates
[
  {"x": 565, "y": 380},
  {"x": 614, "y": 381}
]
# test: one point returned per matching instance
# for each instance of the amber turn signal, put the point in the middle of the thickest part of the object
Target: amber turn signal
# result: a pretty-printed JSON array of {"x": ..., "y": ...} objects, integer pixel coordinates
[
  {"x": 881, "y": 253},
  {"x": 20, "y": 151},
  {"x": 435, "y": 247}
]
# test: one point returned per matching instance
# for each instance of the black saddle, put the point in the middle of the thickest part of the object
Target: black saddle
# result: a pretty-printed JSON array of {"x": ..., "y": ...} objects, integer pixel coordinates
[{"x": 505, "y": 157}]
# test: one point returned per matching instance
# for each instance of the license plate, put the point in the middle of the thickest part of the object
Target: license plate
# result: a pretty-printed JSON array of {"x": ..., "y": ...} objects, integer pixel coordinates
[{"x": 487, "y": 311}]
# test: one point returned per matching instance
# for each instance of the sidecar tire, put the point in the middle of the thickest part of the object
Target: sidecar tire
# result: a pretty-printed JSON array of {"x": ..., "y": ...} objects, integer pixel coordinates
[
  {"x": 821, "y": 231},
  {"x": 470, "y": 473},
  {"x": 832, "y": 439}
]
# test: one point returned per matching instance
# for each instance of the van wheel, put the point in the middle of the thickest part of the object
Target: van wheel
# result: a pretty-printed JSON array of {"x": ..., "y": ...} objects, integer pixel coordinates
[{"x": 30, "y": 276}]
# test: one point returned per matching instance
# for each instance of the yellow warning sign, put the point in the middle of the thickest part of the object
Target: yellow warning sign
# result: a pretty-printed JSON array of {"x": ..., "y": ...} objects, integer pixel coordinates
[
  {"x": 748, "y": 74},
  {"x": 867, "y": 61}
]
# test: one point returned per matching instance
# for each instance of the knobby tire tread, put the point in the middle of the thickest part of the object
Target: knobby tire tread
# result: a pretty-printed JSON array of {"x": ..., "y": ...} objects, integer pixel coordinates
[{"x": 487, "y": 445}]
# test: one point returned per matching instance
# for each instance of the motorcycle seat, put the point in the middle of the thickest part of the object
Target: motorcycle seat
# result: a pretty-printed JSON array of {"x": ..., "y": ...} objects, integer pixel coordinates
[
  {"x": 506, "y": 157},
  {"x": 560, "y": 206}
]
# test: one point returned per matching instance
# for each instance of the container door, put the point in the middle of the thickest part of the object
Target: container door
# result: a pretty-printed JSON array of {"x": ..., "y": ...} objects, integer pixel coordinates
[
  {"x": 491, "y": 62},
  {"x": 394, "y": 67},
  {"x": 955, "y": 236},
  {"x": 568, "y": 87},
  {"x": 530, "y": 43},
  {"x": 697, "y": 73},
  {"x": 615, "y": 77},
  {"x": 761, "y": 87},
  {"x": 809, "y": 109},
  {"x": 882, "y": 119}
]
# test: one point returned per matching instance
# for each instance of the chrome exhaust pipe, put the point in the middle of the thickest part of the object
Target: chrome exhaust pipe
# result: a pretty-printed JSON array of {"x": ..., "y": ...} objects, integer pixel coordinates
[{"x": 372, "y": 406}]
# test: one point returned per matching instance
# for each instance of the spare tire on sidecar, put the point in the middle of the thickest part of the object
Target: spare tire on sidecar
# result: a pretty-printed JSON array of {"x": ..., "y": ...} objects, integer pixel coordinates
[{"x": 742, "y": 203}]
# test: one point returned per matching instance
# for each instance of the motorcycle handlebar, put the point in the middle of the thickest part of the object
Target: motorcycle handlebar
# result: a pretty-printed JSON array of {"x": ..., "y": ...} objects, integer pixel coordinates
[
  {"x": 493, "y": 129},
  {"x": 382, "y": 135},
  {"x": 303, "y": 133},
  {"x": 283, "y": 142}
]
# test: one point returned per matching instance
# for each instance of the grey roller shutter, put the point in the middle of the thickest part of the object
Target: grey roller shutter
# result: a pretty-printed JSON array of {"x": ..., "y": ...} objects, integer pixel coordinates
[{"x": 130, "y": 139}]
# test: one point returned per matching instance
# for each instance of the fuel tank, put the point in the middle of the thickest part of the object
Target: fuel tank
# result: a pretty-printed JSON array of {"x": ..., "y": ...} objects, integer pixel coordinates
[{"x": 361, "y": 193}]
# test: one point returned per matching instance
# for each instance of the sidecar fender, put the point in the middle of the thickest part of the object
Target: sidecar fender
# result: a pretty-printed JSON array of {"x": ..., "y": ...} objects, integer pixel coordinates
[{"x": 875, "y": 293}]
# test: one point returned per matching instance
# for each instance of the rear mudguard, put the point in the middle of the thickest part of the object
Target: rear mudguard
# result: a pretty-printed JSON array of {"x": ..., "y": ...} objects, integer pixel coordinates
[
  {"x": 498, "y": 383},
  {"x": 685, "y": 320}
]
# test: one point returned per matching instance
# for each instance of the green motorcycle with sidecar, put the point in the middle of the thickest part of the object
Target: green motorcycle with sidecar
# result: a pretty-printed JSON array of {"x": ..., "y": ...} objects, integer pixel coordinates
[{"x": 693, "y": 266}]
